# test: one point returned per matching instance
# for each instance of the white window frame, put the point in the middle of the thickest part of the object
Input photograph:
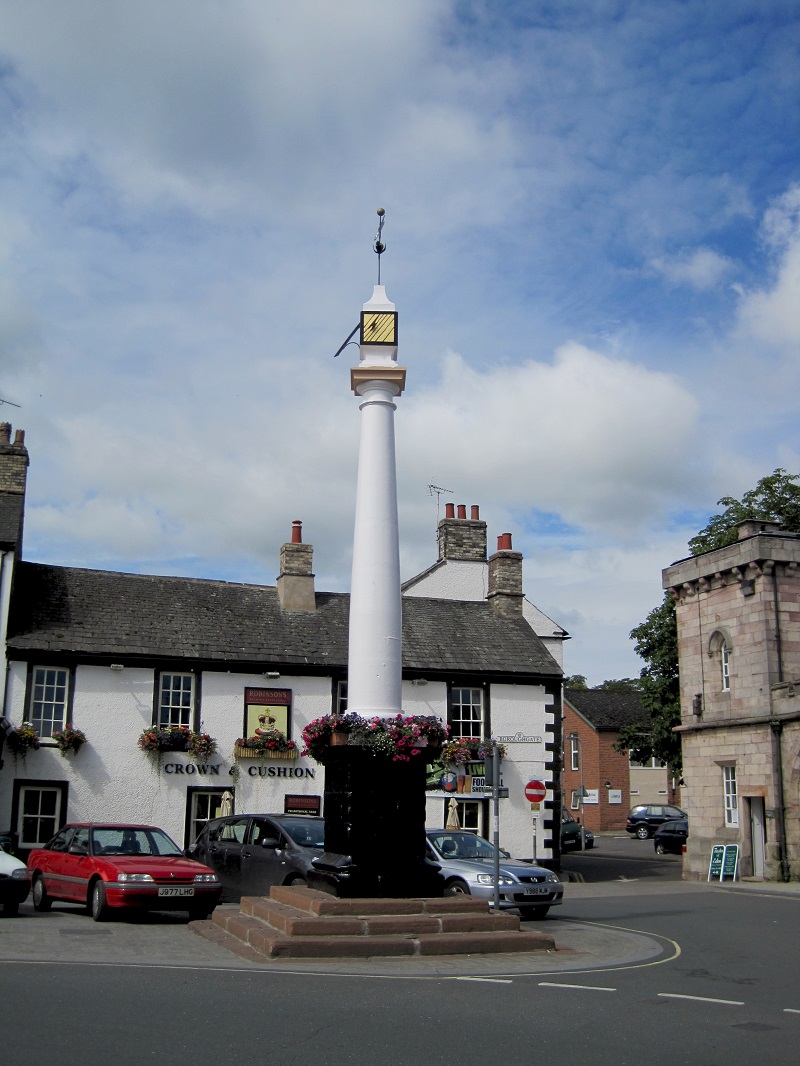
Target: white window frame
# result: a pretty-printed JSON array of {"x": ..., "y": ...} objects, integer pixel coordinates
[
  {"x": 470, "y": 815},
  {"x": 467, "y": 711},
  {"x": 725, "y": 665},
  {"x": 204, "y": 804},
  {"x": 175, "y": 711},
  {"x": 341, "y": 697},
  {"x": 730, "y": 795},
  {"x": 574, "y": 753},
  {"x": 49, "y": 705},
  {"x": 575, "y": 800}
]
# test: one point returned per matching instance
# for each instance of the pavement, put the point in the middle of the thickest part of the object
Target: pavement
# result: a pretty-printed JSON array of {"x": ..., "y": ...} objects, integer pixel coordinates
[{"x": 67, "y": 936}]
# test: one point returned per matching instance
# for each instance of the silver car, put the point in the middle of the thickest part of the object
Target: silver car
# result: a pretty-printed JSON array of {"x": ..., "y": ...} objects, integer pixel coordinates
[{"x": 467, "y": 863}]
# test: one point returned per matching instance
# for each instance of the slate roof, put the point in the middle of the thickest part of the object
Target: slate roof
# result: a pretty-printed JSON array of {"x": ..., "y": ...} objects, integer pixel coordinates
[
  {"x": 608, "y": 712},
  {"x": 10, "y": 519},
  {"x": 102, "y": 614}
]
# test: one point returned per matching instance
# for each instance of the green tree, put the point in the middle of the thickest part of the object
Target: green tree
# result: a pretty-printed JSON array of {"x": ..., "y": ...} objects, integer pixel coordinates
[
  {"x": 657, "y": 643},
  {"x": 623, "y": 684},
  {"x": 577, "y": 682},
  {"x": 775, "y": 498}
]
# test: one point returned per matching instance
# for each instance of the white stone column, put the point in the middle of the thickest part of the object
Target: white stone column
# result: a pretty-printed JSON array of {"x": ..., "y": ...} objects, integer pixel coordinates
[{"x": 375, "y": 656}]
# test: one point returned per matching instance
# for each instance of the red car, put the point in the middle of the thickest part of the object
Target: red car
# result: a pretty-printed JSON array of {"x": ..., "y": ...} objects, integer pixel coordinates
[{"x": 106, "y": 867}]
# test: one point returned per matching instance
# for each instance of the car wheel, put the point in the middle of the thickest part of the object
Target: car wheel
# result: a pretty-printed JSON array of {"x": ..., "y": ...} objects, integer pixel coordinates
[
  {"x": 11, "y": 908},
  {"x": 296, "y": 880},
  {"x": 642, "y": 832},
  {"x": 527, "y": 913},
  {"x": 41, "y": 901},
  {"x": 100, "y": 909},
  {"x": 660, "y": 849},
  {"x": 457, "y": 888}
]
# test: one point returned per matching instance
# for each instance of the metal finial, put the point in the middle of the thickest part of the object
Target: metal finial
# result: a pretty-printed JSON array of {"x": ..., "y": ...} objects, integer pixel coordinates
[{"x": 379, "y": 246}]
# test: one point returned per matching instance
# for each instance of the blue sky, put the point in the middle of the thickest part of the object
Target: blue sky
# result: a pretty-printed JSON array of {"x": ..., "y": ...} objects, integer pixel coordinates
[{"x": 593, "y": 231}]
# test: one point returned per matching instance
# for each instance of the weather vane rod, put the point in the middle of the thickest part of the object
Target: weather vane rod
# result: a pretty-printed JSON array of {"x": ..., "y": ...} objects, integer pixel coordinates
[{"x": 379, "y": 246}]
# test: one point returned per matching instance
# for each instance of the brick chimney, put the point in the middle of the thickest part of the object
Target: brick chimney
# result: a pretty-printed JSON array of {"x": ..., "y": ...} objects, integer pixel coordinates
[
  {"x": 462, "y": 539},
  {"x": 296, "y": 581},
  {"x": 505, "y": 579},
  {"x": 13, "y": 476}
]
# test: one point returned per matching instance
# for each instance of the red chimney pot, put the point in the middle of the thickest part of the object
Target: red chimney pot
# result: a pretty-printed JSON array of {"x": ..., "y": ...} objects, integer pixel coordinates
[
  {"x": 449, "y": 510},
  {"x": 297, "y": 531}
]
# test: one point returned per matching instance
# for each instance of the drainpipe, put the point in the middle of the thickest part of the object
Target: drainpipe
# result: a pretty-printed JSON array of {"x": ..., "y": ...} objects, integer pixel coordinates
[
  {"x": 777, "y": 765},
  {"x": 777, "y": 734}
]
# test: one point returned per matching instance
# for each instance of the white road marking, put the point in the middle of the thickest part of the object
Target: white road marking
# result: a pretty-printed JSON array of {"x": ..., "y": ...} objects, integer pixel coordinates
[
  {"x": 790, "y": 1010},
  {"x": 488, "y": 980},
  {"x": 703, "y": 999},
  {"x": 589, "y": 988}
]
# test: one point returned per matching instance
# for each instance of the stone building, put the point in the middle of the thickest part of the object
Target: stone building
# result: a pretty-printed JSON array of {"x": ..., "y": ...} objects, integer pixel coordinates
[{"x": 738, "y": 615}]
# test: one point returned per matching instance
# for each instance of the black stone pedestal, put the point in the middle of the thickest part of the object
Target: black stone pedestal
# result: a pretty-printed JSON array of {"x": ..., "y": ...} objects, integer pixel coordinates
[{"x": 374, "y": 813}]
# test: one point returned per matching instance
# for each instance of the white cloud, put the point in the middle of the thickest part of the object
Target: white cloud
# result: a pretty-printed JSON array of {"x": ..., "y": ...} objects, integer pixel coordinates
[
  {"x": 701, "y": 268},
  {"x": 772, "y": 314}
]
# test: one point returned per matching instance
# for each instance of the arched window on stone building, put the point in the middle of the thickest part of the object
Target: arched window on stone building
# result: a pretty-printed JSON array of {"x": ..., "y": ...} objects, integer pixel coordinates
[{"x": 721, "y": 649}]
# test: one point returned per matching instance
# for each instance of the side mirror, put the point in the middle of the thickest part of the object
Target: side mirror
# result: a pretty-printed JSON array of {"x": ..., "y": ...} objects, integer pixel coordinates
[{"x": 270, "y": 842}]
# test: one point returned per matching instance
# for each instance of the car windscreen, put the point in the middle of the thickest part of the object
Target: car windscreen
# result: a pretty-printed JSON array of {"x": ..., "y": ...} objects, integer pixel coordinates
[
  {"x": 307, "y": 832},
  {"x": 461, "y": 846},
  {"x": 132, "y": 840}
]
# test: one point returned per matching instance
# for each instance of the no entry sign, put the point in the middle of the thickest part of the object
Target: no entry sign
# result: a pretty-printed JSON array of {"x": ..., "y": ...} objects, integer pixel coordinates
[{"x": 535, "y": 791}]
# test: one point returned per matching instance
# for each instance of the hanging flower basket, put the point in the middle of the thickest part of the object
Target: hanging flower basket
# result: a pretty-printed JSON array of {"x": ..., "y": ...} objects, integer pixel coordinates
[
  {"x": 400, "y": 738},
  {"x": 69, "y": 740},
  {"x": 22, "y": 740},
  {"x": 158, "y": 739}
]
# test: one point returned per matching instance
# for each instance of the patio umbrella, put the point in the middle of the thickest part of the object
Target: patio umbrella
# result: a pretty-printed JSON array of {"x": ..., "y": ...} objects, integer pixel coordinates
[
  {"x": 226, "y": 806},
  {"x": 452, "y": 815}
]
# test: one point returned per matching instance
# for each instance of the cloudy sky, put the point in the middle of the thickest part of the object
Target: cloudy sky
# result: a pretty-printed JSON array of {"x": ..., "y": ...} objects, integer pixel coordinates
[{"x": 593, "y": 241}]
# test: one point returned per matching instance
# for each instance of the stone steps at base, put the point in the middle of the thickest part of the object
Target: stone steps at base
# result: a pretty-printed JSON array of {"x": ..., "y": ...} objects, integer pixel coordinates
[{"x": 298, "y": 922}]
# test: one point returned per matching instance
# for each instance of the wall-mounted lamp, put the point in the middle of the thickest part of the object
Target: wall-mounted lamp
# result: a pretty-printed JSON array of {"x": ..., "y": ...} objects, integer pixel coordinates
[
  {"x": 419, "y": 681},
  {"x": 608, "y": 784},
  {"x": 116, "y": 666},
  {"x": 272, "y": 674}
]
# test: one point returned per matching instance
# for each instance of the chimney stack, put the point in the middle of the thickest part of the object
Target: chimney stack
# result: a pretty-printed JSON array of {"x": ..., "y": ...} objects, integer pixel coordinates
[
  {"x": 462, "y": 539},
  {"x": 296, "y": 581},
  {"x": 505, "y": 579},
  {"x": 13, "y": 461}
]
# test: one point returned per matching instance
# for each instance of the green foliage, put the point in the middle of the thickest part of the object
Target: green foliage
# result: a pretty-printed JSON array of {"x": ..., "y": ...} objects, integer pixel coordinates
[
  {"x": 775, "y": 498},
  {"x": 624, "y": 684},
  {"x": 657, "y": 643},
  {"x": 577, "y": 682}
]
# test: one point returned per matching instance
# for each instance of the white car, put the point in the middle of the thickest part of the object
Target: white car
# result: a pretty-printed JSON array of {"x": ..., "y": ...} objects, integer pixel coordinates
[
  {"x": 467, "y": 863},
  {"x": 15, "y": 883}
]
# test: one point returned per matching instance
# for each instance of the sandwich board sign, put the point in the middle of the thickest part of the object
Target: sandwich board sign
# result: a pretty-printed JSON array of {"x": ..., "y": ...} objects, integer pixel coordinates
[{"x": 724, "y": 862}]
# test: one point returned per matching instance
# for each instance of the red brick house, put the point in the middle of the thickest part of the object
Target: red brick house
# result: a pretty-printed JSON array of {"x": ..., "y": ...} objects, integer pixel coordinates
[{"x": 592, "y": 721}]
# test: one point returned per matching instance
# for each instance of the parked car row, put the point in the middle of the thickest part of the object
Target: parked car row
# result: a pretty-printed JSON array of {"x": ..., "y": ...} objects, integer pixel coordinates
[{"x": 111, "y": 869}]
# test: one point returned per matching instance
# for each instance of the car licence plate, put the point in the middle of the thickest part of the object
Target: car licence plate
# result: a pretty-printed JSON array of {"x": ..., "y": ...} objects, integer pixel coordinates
[
  {"x": 536, "y": 890},
  {"x": 176, "y": 891}
]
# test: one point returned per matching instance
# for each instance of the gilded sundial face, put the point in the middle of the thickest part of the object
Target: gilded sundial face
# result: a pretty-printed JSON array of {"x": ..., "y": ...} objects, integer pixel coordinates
[{"x": 379, "y": 327}]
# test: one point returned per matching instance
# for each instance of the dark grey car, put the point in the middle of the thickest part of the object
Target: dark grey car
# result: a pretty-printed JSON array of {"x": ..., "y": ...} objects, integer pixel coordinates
[{"x": 252, "y": 852}]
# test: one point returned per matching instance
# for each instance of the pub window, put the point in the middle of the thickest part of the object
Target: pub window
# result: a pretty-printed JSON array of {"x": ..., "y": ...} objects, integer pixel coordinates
[
  {"x": 341, "y": 697},
  {"x": 49, "y": 696},
  {"x": 175, "y": 700},
  {"x": 466, "y": 715},
  {"x": 38, "y": 811},
  {"x": 203, "y": 805},
  {"x": 470, "y": 815},
  {"x": 725, "y": 666}
]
